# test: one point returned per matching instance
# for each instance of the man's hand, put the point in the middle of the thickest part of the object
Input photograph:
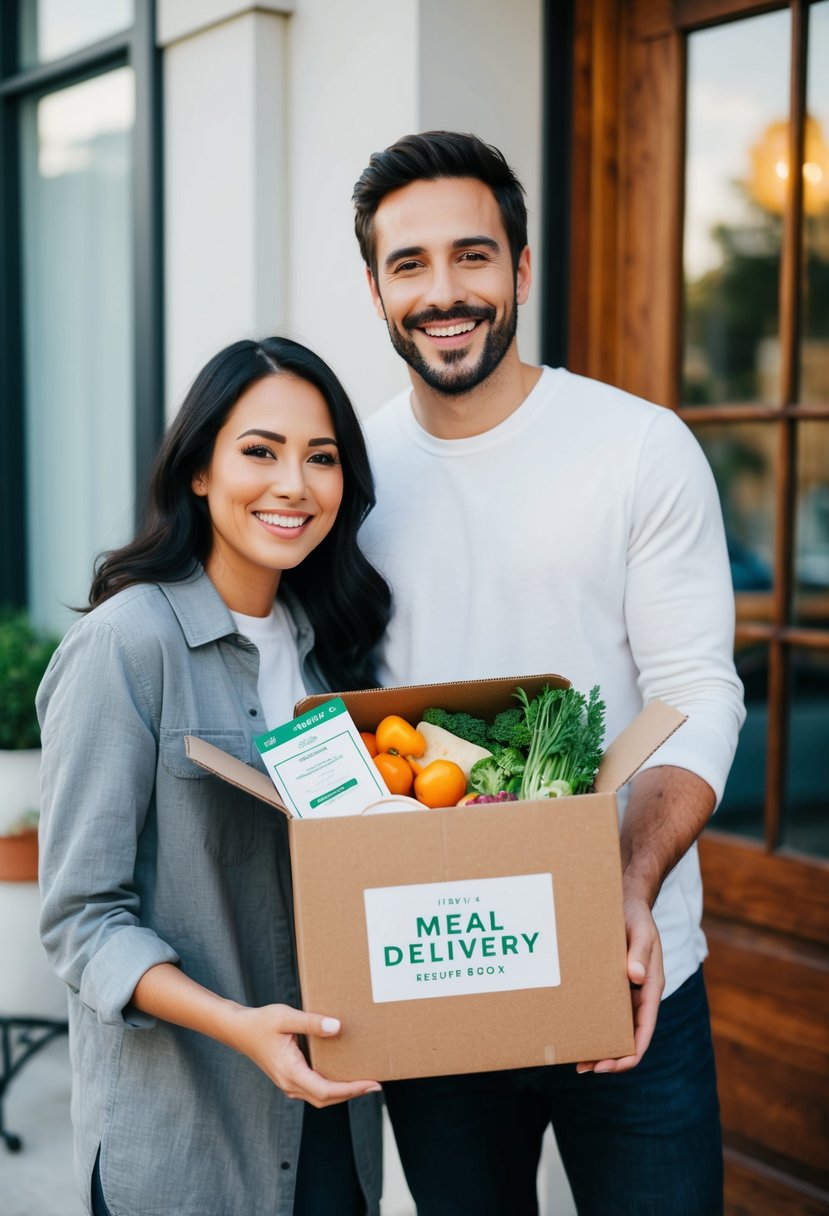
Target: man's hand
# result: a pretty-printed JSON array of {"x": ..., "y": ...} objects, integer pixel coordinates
[
  {"x": 668, "y": 808},
  {"x": 647, "y": 979}
]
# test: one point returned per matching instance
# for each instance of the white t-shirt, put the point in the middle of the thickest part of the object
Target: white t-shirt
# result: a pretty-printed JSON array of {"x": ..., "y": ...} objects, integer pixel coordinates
[
  {"x": 583, "y": 537},
  {"x": 280, "y": 684}
]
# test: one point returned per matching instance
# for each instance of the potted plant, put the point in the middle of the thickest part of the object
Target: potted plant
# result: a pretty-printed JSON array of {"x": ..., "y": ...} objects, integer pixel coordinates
[
  {"x": 24, "y": 656},
  {"x": 28, "y": 986}
]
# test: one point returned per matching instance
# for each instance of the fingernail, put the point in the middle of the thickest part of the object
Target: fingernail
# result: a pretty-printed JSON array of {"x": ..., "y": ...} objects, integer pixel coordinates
[
  {"x": 583, "y": 1068},
  {"x": 603, "y": 1068},
  {"x": 374, "y": 1089},
  {"x": 330, "y": 1025}
]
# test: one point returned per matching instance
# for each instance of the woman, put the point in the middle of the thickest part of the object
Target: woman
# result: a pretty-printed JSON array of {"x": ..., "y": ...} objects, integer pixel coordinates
[{"x": 166, "y": 894}]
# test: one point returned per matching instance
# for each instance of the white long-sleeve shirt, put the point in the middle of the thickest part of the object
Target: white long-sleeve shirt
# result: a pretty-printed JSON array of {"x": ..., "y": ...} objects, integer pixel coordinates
[{"x": 582, "y": 536}]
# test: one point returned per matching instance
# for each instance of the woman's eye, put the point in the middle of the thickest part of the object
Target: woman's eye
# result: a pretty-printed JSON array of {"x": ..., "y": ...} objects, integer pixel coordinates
[
  {"x": 324, "y": 458},
  {"x": 258, "y": 449}
]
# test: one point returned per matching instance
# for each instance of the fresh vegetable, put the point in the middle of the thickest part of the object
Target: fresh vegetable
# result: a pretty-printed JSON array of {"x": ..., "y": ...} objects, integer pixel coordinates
[
  {"x": 510, "y": 729},
  {"x": 474, "y": 730},
  {"x": 395, "y": 771},
  {"x": 566, "y": 743},
  {"x": 443, "y": 745},
  {"x": 370, "y": 741},
  {"x": 395, "y": 734},
  {"x": 499, "y": 773},
  {"x": 440, "y": 783},
  {"x": 479, "y": 799}
]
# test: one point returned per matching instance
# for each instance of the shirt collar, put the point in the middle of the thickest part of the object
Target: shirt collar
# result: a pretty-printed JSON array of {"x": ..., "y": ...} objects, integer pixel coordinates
[
  {"x": 200, "y": 610},
  {"x": 204, "y": 617}
]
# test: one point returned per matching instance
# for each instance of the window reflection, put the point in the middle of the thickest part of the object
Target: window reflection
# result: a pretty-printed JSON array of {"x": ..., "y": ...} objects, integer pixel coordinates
[
  {"x": 812, "y": 525},
  {"x": 814, "y": 349},
  {"x": 737, "y": 97},
  {"x": 805, "y": 823},
  {"x": 50, "y": 29},
  {"x": 742, "y": 458},
  {"x": 76, "y": 165},
  {"x": 741, "y": 810}
]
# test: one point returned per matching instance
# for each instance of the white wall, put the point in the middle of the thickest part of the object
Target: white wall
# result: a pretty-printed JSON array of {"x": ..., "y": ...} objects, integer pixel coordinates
[
  {"x": 225, "y": 196},
  {"x": 270, "y": 117}
]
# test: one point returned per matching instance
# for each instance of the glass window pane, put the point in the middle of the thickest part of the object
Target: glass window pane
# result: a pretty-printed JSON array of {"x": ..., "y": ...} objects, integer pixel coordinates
[
  {"x": 812, "y": 525},
  {"x": 741, "y": 810},
  {"x": 78, "y": 360},
  {"x": 737, "y": 112},
  {"x": 50, "y": 29},
  {"x": 805, "y": 822},
  {"x": 741, "y": 455},
  {"x": 814, "y": 350}
]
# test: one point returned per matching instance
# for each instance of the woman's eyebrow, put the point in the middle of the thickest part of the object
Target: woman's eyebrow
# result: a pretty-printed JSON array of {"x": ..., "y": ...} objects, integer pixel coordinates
[
  {"x": 323, "y": 441},
  {"x": 263, "y": 435}
]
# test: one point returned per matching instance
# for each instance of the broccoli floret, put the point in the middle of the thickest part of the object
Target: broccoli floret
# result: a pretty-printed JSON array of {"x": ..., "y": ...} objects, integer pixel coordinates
[
  {"x": 510, "y": 761},
  {"x": 485, "y": 777},
  {"x": 498, "y": 774},
  {"x": 474, "y": 730},
  {"x": 510, "y": 728}
]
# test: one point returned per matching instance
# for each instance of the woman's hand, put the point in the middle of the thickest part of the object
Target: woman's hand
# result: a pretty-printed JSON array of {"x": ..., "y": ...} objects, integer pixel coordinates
[
  {"x": 267, "y": 1034},
  {"x": 268, "y": 1037}
]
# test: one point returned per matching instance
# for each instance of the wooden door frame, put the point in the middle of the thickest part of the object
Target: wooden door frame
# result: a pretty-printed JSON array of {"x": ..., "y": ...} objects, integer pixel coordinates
[{"x": 767, "y": 911}]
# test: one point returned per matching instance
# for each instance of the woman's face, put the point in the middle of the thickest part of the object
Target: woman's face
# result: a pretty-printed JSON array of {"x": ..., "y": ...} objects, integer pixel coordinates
[{"x": 273, "y": 488}]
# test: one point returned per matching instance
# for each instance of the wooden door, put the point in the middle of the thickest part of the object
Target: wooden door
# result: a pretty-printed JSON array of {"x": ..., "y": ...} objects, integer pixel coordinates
[{"x": 699, "y": 278}]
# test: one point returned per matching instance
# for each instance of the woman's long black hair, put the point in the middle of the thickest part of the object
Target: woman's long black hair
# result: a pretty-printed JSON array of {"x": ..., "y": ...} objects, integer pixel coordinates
[{"x": 346, "y": 599}]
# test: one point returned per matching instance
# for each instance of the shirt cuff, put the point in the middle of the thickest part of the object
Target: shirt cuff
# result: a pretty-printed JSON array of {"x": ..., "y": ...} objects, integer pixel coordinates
[{"x": 110, "y": 977}]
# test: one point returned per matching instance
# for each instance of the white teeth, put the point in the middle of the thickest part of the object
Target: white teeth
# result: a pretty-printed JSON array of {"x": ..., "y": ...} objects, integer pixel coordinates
[
  {"x": 449, "y": 331},
  {"x": 282, "y": 521}
]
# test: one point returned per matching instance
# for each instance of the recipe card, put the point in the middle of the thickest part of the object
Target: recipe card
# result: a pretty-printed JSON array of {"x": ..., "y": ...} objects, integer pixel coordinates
[{"x": 320, "y": 765}]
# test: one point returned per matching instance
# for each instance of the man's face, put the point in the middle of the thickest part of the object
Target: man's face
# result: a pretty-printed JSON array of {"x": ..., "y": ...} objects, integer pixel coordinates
[{"x": 445, "y": 283}]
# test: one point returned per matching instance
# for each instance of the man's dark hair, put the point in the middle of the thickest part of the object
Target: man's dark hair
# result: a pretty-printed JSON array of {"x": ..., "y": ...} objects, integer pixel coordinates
[{"x": 432, "y": 155}]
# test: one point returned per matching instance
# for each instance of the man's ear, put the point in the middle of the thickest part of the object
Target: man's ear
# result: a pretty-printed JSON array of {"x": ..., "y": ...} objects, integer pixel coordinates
[
  {"x": 523, "y": 276},
  {"x": 375, "y": 294}
]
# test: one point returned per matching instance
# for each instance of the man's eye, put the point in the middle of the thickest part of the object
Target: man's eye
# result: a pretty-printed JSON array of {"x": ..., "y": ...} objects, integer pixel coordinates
[
  {"x": 406, "y": 266},
  {"x": 472, "y": 255},
  {"x": 258, "y": 449}
]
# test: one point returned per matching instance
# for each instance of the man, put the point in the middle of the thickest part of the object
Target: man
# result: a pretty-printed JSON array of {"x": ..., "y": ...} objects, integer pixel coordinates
[{"x": 530, "y": 520}]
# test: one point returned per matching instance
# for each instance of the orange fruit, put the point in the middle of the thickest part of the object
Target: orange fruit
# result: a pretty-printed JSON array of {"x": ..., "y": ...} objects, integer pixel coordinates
[{"x": 395, "y": 772}]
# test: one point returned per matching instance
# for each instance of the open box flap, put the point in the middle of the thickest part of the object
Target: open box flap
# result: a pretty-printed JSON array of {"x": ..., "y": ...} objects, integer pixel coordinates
[
  {"x": 637, "y": 743},
  {"x": 235, "y": 772}
]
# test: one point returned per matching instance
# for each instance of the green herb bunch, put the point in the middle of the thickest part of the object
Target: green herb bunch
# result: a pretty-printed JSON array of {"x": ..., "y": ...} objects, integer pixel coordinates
[{"x": 567, "y": 736}]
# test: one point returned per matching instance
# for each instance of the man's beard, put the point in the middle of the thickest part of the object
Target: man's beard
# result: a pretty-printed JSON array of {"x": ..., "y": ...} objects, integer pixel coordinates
[{"x": 449, "y": 379}]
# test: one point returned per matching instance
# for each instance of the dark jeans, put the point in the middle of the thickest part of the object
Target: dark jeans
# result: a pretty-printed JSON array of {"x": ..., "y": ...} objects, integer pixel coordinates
[
  {"x": 326, "y": 1181},
  {"x": 640, "y": 1143},
  {"x": 326, "y": 1177}
]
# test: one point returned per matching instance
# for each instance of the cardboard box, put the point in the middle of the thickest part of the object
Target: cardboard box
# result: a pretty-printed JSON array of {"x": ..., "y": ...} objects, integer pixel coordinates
[{"x": 466, "y": 939}]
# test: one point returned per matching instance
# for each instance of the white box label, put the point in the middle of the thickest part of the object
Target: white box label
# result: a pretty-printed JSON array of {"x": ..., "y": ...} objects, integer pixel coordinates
[{"x": 455, "y": 938}]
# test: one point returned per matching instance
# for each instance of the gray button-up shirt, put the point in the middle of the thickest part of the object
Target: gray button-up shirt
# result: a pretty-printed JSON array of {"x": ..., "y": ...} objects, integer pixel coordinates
[{"x": 146, "y": 859}]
